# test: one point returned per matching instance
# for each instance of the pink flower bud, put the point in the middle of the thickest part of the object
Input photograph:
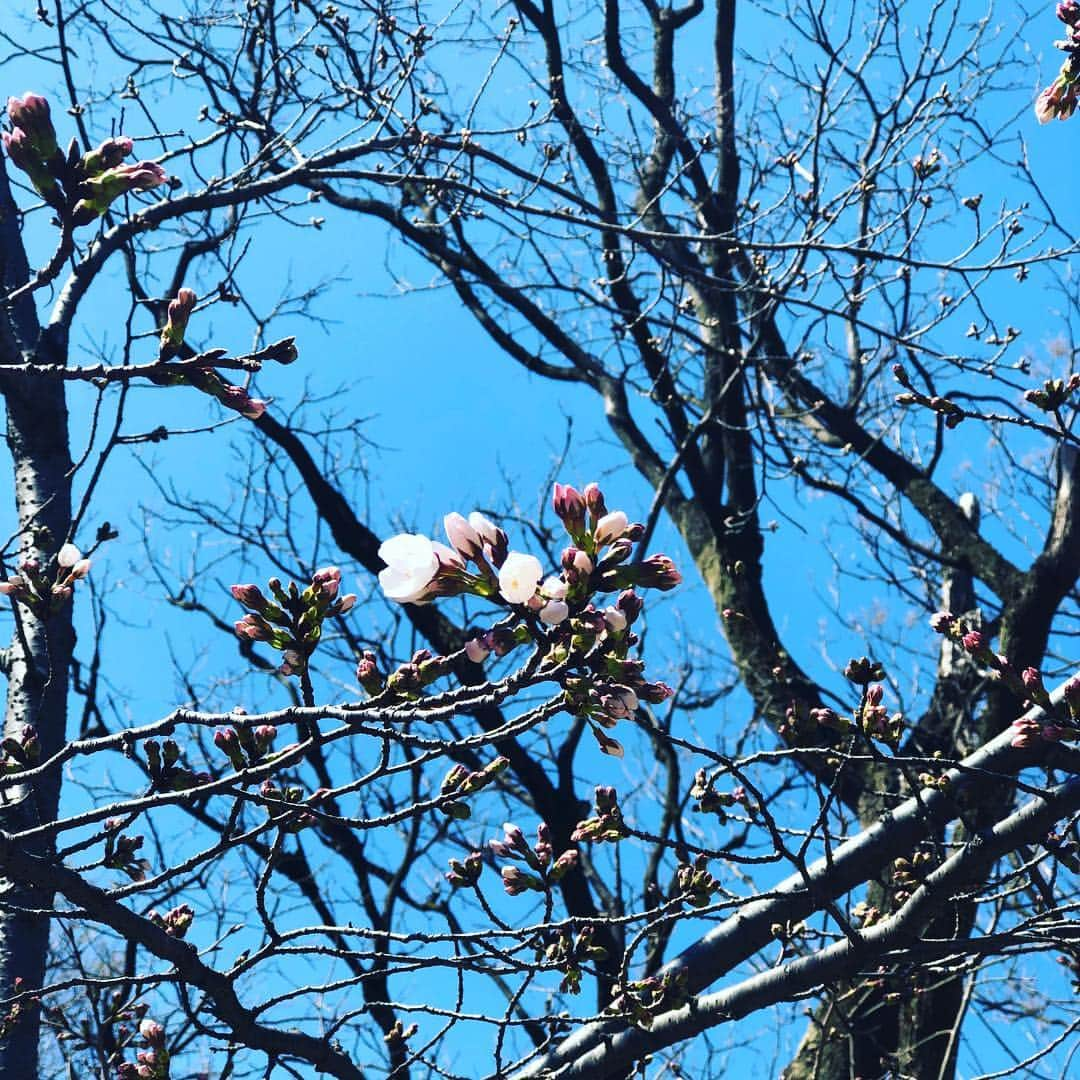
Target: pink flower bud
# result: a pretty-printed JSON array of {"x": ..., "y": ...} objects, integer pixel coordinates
[
  {"x": 68, "y": 556},
  {"x": 327, "y": 581},
  {"x": 476, "y": 650},
  {"x": 30, "y": 113},
  {"x": 569, "y": 505},
  {"x": 1032, "y": 681},
  {"x": 610, "y": 527},
  {"x": 108, "y": 155},
  {"x": 23, "y": 154},
  {"x": 576, "y": 560},
  {"x": 463, "y": 537},
  {"x": 516, "y": 881},
  {"x": 594, "y": 500},
  {"x": 249, "y": 595},
  {"x": 180, "y": 309},
  {"x": 554, "y": 612},
  {"x": 152, "y": 1032},
  {"x": 487, "y": 532},
  {"x": 251, "y": 628},
  {"x": 657, "y": 572}
]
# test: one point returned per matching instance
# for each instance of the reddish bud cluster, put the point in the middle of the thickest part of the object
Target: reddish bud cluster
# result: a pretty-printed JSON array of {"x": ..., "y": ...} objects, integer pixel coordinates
[
  {"x": 1059, "y": 100},
  {"x": 607, "y": 826},
  {"x": 45, "y": 590},
  {"x": 292, "y": 621},
  {"x": 81, "y": 187}
]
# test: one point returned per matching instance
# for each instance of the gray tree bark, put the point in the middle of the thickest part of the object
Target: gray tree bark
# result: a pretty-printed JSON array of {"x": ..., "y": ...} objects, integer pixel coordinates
[{"x": 39, "y": 657}]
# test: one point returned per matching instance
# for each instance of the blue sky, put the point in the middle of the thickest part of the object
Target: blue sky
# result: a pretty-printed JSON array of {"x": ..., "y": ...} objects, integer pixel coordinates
[{"x": 448, "y": 424}]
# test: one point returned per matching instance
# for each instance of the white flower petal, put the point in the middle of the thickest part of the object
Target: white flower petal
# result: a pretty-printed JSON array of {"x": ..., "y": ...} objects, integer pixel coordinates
[{"x": 519, "y": 576}]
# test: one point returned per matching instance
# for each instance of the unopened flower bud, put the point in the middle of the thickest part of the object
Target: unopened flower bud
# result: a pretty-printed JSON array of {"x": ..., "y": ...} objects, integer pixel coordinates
[
  {"x": 249, "y": 595},
  {"x": 594, "y": 500},
  {"x": 465, "y": 539},
  {"x": 569, "y": 505},
  {"x": 554, "y": 612},
  {"x": 610, "y": 527},
  {"x": 30, "y": 114},
  {"x": 152, "y": 1032}
]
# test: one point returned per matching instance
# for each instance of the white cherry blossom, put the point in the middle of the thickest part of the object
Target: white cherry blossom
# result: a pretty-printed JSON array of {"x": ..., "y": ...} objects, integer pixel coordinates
[
  {"x": 519, "y": 576},
  {"x": 411, "y": 565}
]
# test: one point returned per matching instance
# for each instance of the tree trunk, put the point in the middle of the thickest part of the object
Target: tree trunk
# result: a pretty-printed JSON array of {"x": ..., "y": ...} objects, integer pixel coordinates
[{"x": 38, "y": 660}]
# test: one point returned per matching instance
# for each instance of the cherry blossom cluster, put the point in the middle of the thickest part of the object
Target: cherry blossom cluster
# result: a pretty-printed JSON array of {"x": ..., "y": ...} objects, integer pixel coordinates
[
  {"x": 1058, "y": 101},
  {"x": 291, "y": 620},
  {"x": 293, "y": 816},
  {"x": 151, "y": 1062},
  {"x": 538, "y": 857},
  {"x": 585, "y": 645},
  {"x": 121, "y": 851},
  {"x": 166, "y": 769},
  {"x": 46, "y": 587},
  {"x": 175, "y": 922},
  {"x": 568, "y": 953},
  {"x": 908, "y": 875},
  {"x": 419, "y": 570},
  {"x": 1059, "y": 722},
  {"x": 695, "y": 884},
  {"x": 80, "y": 186},
  {"x": 245, "y": 746},
  {"x": 608, "y": 825},
  {"x": 870, "y": 716}
]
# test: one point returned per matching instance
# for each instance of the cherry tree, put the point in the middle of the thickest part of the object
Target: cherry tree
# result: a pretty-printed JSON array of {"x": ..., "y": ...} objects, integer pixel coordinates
[{"x": 419, "y": 854}]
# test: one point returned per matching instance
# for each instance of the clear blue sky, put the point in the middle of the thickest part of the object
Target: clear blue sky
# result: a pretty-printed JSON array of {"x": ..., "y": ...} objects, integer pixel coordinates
[{"x": 451, "y": 425}]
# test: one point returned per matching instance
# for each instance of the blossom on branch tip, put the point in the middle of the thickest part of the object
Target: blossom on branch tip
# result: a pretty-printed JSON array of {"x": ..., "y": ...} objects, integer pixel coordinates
[
  {"x": 554, "y": 612},
  {"x": 519, "y": 577},
  {"x": 30, "y": 114},
  {"x": 99, "y": 192},
  {"x": 570, "y": 508},
  {"x": 108, "y": 155},
  {"x": 18, "y": 147},
  {"x": 180, "y": 309},
  {"x": 610, "y": 527},
  {"x": 463, "y": 537},
  {"x": 411, "y": 566}
]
